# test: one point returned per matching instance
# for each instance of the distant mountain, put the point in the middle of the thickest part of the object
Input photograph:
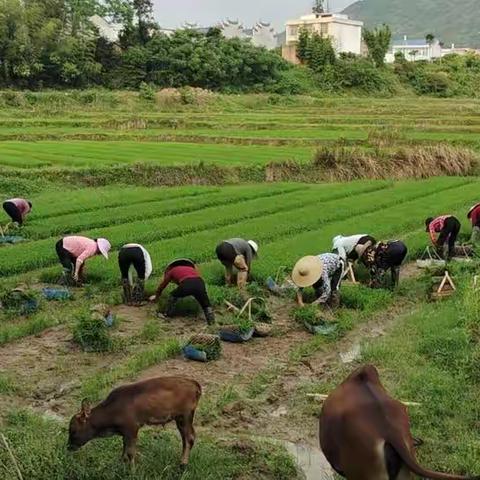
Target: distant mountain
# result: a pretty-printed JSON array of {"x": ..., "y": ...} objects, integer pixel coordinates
[{"x": 451, "y": 21}]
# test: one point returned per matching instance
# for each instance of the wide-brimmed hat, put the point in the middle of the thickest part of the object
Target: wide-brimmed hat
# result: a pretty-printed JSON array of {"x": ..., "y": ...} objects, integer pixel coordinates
[
  {"x": 307, "y": 271},
  {"x": 103, "y": 246},
  {"x": 254, "y": 246},
  {"x": 181, "y": 262},
  {"x": 469, "y": 214}
]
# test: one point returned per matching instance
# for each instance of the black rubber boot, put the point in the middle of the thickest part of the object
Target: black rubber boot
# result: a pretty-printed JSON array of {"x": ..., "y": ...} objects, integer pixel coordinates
[
  {"x": 170, "y": 310},
  {"x": 127, "y": 292},
  {"x": 138, "y": 294},
  {"x": 209, "y": 315}
]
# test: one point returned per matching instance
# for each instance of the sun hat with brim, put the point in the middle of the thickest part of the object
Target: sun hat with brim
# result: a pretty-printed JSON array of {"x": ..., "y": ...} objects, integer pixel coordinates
[
  {"x": 307, "y": 271},
  {"x": 469, "y": 214},
  {"x": 254, "y": 247},
  {"x": 181, "y": 262},
  {"x": 103, "y": 246}
]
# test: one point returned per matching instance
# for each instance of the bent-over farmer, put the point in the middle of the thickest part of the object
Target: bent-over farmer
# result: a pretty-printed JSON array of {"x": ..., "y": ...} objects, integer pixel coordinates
[
  {"x": 448, "y": 228},
  {"x": 382, "y": 257},
  {"x": 352, "y": 247},
  {"x": 184, "y": 273},
  {"x": 322, "y": 272},
  {"x": 474, "y": 217},
  {"x": 237, "y": 254},
  {"x": 73, "y": 251},
  {"x": 136, "y": 256},
  {"x": 17, "y": 209}
]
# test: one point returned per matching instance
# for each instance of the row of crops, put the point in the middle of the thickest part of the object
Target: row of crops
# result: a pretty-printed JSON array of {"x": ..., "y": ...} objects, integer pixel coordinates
[
  {"x": 287, "y": 220},
  {"x": 220, "y": 135}
]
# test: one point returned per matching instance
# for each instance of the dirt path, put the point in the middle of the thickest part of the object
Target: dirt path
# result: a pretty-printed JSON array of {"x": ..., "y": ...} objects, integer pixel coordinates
[{"x": 49, "y": 370}]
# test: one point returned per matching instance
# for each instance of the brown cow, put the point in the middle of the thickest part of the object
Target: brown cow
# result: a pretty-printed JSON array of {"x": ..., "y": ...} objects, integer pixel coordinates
[
  {"x": 156, "y": 401},
  {"x": 365, "y": 434}
]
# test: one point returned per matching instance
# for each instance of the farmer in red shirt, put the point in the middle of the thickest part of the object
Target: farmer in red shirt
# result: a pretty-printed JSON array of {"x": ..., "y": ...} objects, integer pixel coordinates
[
  {"x": 184, "y": 273},
  {"x": 448, "y": 227},
  {"x": 474, "y": 216},
  {"x": 17, "y": 209}
]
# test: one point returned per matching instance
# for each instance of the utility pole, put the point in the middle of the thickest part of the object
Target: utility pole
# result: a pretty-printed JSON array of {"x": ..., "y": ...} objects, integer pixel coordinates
[{"x": 318, "y": 7}]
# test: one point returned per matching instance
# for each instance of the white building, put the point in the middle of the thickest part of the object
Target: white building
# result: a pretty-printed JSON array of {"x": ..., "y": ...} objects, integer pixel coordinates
[
  {"x": 108, "y": 30},
  {"x": 415, "y": 49},
  {"x": 261, "y": 35},
  {"x": 232, "y": 29},
  {"x": 453, "y": 50},
  {"x": 346, "y": 34}
]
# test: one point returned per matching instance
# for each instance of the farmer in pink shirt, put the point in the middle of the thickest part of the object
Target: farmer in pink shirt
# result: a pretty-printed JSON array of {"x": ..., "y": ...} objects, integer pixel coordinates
[
  {"x": 17, "y": 209},
  {"x": 448, "y": 227},
  {"x": 73, "y": 251}
]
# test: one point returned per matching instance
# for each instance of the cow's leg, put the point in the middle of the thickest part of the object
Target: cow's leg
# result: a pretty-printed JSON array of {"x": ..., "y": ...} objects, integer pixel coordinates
[
  {"x": 185, "y": 427},
  {"x": 130, "y": 445}
]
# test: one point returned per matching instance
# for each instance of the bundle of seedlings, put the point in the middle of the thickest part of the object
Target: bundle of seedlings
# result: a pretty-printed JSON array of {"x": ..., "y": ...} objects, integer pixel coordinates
[
  {"x": 19, "y": 301},
  {"x": 237, "y": 329},
  {"x": 92, "y": 330},
  {"x": 314, "y": 320},
  {"x": 203, "y": 347}
]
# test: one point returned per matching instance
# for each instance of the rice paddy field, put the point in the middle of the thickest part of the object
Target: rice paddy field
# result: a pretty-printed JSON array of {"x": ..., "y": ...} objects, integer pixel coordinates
[
  {"x": 237, "y": 131},
  {"x": 256, "y": 405}
]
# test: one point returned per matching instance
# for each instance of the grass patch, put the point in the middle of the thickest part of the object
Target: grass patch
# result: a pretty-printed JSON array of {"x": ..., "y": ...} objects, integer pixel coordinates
[
  {"x": 95, "y": 387},
  {"x": 40, "y": 448},
  {"x": 432, "y": 357}
]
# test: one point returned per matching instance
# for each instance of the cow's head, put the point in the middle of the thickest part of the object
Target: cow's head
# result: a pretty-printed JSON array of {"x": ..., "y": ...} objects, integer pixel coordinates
[{"x": 80, "y": 430}]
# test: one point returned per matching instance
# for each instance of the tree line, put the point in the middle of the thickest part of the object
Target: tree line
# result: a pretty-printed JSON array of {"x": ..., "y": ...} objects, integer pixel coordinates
[{"x": 53, "y": 43}]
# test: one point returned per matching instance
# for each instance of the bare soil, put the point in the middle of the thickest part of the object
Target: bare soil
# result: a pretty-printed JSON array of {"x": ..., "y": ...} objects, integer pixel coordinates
[{"x": 50, "y": 369}]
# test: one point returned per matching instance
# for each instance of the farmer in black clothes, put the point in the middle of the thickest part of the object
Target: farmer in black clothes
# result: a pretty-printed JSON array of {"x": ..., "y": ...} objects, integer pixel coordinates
[
  {"x": 184, "y": 273},
  {"x": 237, "y": 254},
  {"x": 382, "y": 257}
]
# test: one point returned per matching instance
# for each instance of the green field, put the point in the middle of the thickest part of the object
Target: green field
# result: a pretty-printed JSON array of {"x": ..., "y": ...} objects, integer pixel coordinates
[
  {"x": 231, "y": 133},
  {"x": 255, "y": 395}
]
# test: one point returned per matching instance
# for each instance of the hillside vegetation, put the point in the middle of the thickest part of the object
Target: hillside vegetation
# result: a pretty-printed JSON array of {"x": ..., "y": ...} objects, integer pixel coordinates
[{"x": 450, "y": 21}]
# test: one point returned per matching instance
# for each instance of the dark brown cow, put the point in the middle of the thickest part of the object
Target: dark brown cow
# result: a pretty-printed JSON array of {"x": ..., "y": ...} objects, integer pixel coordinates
[
  {"x": 156, "y": 401},
  {"x": 365, "y": 434}
]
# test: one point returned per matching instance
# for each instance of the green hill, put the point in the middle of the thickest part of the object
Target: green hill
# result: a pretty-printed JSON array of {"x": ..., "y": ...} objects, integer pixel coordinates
[{"x": 451, "y": 21}]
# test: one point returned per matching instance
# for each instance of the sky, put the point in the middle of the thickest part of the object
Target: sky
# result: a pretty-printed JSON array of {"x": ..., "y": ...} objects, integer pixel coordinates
[{"x": 172, "y": 13}]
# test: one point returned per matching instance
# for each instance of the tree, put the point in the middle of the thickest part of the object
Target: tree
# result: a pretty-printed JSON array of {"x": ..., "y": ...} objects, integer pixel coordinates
[
  {"x": 413, "y": 54},
  {"x": 430, "y": 37},
  {"x": 321, "y": 54},
  {"x": 378, "y": 43},
  {"x": 302, "y": 46}
]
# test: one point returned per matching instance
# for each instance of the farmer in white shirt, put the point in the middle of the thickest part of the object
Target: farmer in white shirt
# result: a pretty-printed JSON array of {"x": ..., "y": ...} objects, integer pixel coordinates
[{"x": 352, "y": 248}]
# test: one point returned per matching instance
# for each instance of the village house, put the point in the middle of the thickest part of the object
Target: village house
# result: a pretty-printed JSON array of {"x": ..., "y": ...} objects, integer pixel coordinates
[
  {"x": 415, "y": 49},
  {"x": 346, "y": 34}
]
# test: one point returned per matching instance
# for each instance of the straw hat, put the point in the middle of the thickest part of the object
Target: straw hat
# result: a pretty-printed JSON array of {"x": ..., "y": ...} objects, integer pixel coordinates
[
  {"x": 181, "y": 262},
  {"x": 307, "y": 271},
  {"x": 104, "y": 246}
]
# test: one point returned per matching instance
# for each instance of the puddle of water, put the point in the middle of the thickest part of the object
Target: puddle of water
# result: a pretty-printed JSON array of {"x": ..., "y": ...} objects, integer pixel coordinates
[{"x": 310, "y": 460}]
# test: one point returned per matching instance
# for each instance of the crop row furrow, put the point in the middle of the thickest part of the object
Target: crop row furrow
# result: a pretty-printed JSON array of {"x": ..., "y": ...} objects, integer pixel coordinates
[
  {"x": 287, "y": 225},
  {"x": 128, "y": 213},
  {"x": 59, "y": 203},
  {"x": 41, "y": 253}
]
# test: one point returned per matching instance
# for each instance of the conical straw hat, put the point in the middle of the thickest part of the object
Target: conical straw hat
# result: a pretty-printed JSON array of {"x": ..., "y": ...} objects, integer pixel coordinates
[{"x": 307, "y": 271}]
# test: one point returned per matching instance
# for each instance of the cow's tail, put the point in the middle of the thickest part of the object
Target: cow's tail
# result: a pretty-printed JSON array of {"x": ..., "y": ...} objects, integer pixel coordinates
[{"x": 416, "y": 468}]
